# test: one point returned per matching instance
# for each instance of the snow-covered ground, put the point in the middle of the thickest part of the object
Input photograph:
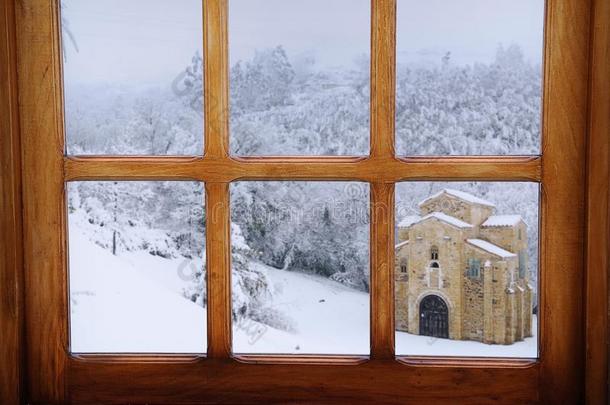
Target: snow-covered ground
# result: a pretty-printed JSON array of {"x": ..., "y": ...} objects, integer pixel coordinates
[
  {"x": 134, "y": 304},
  {"x": 329, "y": 318},
  {"x": 414, "y": 345},
  {"x": 117, "y": 307}
]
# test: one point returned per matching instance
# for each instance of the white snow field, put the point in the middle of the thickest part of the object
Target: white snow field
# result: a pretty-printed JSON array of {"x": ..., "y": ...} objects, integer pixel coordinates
[
  {"x": 134, "y": 304},
  {"x": 415, "y": 345},
  {"x": 329, "y": 318},
  {"x": 117, "y": 308}
]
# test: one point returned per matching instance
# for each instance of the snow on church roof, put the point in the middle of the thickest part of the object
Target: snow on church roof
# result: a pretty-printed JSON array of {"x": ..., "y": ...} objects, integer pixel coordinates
[
  {"x": 401, "y": 244},
  {"x": 491, "y": 248},
  {"x": 459, "y": 194},
  {"x": 446, "y": 218},
  {"x": 408, "y": 221},
  {"x": 502, "y": 220}
]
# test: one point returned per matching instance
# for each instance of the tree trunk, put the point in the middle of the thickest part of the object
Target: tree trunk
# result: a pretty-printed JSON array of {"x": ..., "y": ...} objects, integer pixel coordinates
[{"x": 114, "y": 243}]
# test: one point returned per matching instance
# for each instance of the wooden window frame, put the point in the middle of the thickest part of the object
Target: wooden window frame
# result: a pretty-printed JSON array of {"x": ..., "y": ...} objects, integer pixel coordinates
[
  {"x": 54, "y": 376},
  {"x": 598, "y": 209},
  {"x": 12, "y": 360}
]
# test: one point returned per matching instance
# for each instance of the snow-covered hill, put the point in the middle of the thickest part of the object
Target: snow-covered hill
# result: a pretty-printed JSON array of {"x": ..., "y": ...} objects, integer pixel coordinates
[
  {"x": 134, "y": 304},
  {"x": 329, "y": 318},
  {"x": 117, "y": 307}
]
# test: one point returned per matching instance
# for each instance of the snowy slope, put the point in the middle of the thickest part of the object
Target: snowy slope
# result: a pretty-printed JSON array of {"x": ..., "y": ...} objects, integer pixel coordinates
[
  {"x": 329, "y": 317},
  {"x": 134, "y": 304},
  {"x": 115, "y": 308}
]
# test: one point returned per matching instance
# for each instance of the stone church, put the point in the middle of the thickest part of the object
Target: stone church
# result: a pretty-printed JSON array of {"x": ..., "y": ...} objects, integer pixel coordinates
[{"x": 461, "y": 271}]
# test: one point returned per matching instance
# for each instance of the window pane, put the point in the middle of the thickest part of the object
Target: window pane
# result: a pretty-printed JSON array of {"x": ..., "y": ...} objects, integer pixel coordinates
[
  {"x": 137, "y": 267},
  {"x": 469, "y": 77},
  {"x": 300, "y": 277},
  {"x": 133, "y": 77},
  {"x": 299, "y": 77},
  {"x": 470, "y": 288}
]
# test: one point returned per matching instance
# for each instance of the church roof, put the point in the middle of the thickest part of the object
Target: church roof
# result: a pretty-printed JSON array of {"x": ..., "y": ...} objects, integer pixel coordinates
[
  {"x": 461, "y": 195},
  {"x": 447, "y": 219},
  {"x": 502, "y": 220},
  {"x": 401, "y": 244},
  {"x": 491, "y": 248},
  {"x": 408, "y": 221}
]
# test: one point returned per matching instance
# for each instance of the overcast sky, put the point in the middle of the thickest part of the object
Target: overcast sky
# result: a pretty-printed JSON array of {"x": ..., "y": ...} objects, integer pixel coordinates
[
  {"x": 131, "y": 40},
  {"x": 470, "y": 29},
  {"x": 154, "y": 40}
]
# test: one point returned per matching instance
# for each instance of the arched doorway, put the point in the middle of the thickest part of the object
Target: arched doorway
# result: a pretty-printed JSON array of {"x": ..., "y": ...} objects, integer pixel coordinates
[{"x": 433, "y": 317}]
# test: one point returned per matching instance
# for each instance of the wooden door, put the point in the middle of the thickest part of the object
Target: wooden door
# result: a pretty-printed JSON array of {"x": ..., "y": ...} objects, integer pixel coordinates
[{"x": 433, "y": 317}]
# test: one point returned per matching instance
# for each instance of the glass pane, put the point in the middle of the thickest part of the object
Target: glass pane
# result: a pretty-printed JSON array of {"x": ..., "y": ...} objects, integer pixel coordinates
[
  {"x": 466, "y": 273},
  {"x": 469, "y": 77},
  {"x": 137, "y": 267},
  {"x": 299, "y": 77},
  {"x": 133, "y": 77},
  {"x": 300, "y": 277}
]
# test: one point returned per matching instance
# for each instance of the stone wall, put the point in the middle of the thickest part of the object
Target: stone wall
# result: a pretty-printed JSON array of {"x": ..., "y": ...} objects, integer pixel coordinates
[
  {"x": 471, "y": 213},
  {"x": 445, "y": 281},
  {"x": 403, "y": 234},
  {"x": 503, "y": 236},
  {"x": 475, "y": 294},
  {"x": 507, "y": 237},
  {"x": 401, "y": 286},
  {"x": 509, "y": 319},
  {"x": 472, "y": 325},
  {"x": 527, "y": 311},
  {"x": 502, "y": 303}
]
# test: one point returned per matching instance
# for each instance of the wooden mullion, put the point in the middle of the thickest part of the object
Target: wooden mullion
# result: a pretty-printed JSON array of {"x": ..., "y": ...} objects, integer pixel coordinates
[
  {"x": 383, "y": 78},
  {"x": 218, "y": 218},
  {"x": 383, "y": 88},
  {"x": 218, "y": 249},
  {"x": 131, "y": 168},
  {"x": 216, "y": 83},
  {"x": 382, "y": 266},
  {"x": 517, "y": 168}
]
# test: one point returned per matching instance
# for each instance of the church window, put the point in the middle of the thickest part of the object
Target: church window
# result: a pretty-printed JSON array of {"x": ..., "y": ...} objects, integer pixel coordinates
[
  {"x": 403, "y": 265},
  {"x": 474, "y": 267},
  {"x": 522, "y": 264}
]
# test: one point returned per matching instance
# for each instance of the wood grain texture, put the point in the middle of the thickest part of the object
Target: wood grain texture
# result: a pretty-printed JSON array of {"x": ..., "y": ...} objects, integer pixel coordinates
[
  {"x": 218, "y": 249},
  {"x": 43, "y": 200},
  {"x": 321, "y": 168},
  {"x": 11, "y": 260},
  {"x": 229, "y": 381},
  {"x": 382, "y": 271},
  {"x": 598, "y": 224},
  {"x": 383, "y": 77},
  {"x": 216, "y": 82},
  {"x": 563, "y": 190}
]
